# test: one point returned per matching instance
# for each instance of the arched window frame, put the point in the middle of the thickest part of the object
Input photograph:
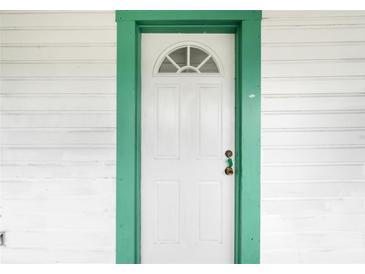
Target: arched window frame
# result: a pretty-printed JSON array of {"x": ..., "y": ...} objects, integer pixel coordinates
[{"x": 165, "y": 54}]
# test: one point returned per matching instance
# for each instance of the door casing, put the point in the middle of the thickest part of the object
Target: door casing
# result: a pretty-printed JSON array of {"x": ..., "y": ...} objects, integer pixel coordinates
[{"x": 246, "y": 25}]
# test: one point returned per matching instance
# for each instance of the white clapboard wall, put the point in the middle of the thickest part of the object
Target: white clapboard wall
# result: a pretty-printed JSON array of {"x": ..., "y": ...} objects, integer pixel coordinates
[
  {"x": 57, "y": 88},
  {"x": 313, "y": 137},
  {"x": 57, "y": 137}
]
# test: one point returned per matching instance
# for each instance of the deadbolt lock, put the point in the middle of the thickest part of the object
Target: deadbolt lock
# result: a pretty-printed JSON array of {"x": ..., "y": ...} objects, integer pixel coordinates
[{"x": 228, "y": 153}]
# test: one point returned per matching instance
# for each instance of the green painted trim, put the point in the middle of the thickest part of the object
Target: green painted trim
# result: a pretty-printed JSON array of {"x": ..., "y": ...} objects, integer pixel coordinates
[
  {"x": 249, "y": 130},
  {"x": 161, "y": 16},
  {"x": 184, "y": 28},
  {"x": 138, "y": 149},
  {"x": 127, "y": 145},
  {"x": 247, "y": 28},
  {"x": 237, "y": 179}
]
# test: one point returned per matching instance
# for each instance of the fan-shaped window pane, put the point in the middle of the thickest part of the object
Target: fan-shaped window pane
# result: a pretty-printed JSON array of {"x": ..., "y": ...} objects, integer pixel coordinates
[
  {"x": 167, "y": 66},
  {"x": 209, "y": 67},
  {"x": 197, "y": 56},
  {"x": 180, "y": 56},
  {"x": 188, "y": 70}
]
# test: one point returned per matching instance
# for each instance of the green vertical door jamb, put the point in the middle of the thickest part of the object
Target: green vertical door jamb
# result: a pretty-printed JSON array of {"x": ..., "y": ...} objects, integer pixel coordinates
[
  {"x": 127, "y": 153},
  {"x": 249, "y": 219}
]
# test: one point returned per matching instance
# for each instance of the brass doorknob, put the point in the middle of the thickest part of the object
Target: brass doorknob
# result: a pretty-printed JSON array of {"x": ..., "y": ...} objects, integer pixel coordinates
[{"x": 228, "y": 171}]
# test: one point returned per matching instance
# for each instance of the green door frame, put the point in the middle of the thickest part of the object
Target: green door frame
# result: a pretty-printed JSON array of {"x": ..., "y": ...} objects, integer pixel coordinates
[{"x": 246, "y": 25}]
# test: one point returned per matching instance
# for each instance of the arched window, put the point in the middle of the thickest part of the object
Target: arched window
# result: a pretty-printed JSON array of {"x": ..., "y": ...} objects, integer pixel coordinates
[{"x": 188, "y": 59}]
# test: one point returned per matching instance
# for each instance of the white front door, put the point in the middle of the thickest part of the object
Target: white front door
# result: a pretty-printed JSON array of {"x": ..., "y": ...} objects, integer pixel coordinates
[{"x": 187, "y": 200}]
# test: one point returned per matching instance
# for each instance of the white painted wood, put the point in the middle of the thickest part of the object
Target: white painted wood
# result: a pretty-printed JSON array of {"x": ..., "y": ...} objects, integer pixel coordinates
[
  {"x": 40, "y": 54},
  {"x": 313, "y": 128},
  {"x": 47, "y": 35},
  {"x": 187, "y": 124},
  {"x": 57, "y": 19},
  {"x": 57, "y": 137}
]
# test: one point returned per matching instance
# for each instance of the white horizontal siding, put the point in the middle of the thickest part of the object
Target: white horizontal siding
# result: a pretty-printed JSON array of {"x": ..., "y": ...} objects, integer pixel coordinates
[
  {"x": 313, "y": 137},
  {"x": 57, "y": 137},
  {"x": 57, "y": 132}
]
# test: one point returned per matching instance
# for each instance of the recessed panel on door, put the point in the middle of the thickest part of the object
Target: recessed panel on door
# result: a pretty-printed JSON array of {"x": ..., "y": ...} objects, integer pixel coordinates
[
  {"x": 167, "y": 121},
  {"x": 209, "y": 121}
]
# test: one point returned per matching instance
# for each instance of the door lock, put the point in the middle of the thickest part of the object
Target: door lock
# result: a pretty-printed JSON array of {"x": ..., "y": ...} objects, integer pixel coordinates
[{"x": 229, "y": 169}]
